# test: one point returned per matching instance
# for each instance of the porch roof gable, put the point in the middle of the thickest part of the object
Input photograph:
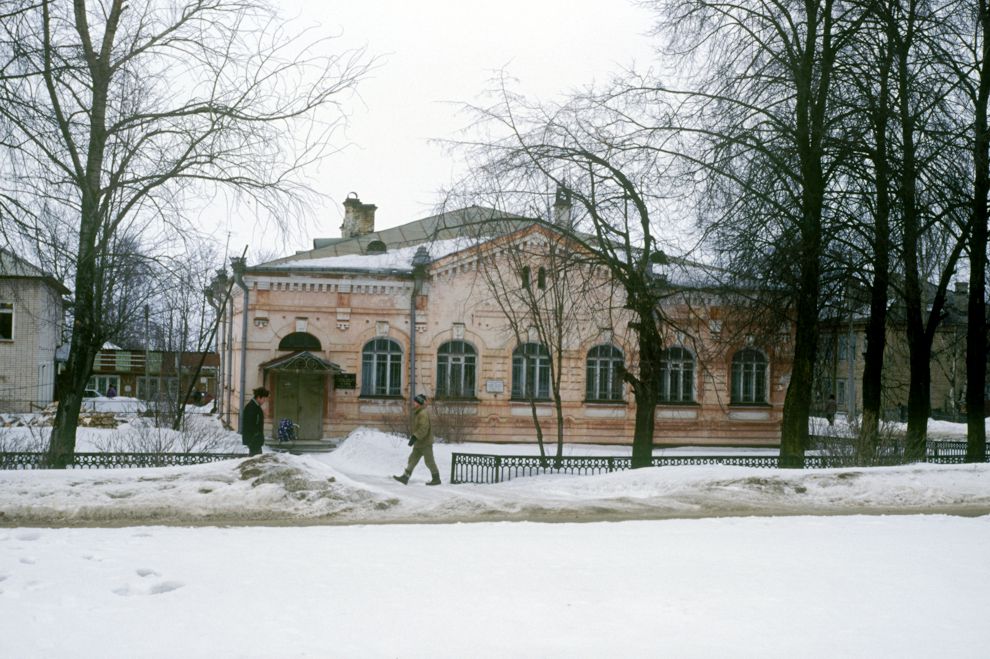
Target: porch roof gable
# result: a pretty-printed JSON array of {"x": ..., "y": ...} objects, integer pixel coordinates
[{"x": 301, "y": 360}]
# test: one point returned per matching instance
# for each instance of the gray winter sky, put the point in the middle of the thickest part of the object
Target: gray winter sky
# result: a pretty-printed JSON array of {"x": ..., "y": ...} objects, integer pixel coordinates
[{"x": 435, "y": 55}]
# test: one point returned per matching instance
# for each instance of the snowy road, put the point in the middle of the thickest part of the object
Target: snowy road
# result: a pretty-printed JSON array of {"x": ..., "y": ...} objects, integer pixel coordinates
[
  {"x": 327, "y": 556},
  {"x": 898, "y": 587}
]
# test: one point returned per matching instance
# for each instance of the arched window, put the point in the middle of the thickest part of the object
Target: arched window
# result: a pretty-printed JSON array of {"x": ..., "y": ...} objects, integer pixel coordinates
[
  {"x": 541, "y": 278},
  {"x": 531, "y": 372},
  {"x": 300, "y": 341},
  {"x": 676, "y": 376},
  {"x": 381, "y": 368},
  {"x": 524, "y": 276},
  {"x": 604, "y": 373},
  {"x": 749, "y": 377},
  {"x": 375, "y": 247},
  {"x": 456, "y": 363}
]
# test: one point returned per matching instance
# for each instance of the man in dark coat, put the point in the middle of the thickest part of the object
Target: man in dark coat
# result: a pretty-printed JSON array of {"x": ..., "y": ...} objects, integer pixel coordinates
[
  {"x": 253, "y": 422},
  {"x": 830, "y": 408},
  {"x": 422, "y": 443}
]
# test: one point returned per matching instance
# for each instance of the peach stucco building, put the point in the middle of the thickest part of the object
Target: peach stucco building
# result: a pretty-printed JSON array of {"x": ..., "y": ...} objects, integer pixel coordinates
[{"x": 346, "y": 333}]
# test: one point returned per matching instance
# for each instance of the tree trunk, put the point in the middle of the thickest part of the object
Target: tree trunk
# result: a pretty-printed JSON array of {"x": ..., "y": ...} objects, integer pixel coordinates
[
  {"x": 919, "y": 400},
  {"x": 642, "y": 450},
  {"x": 558, "y": 405},
  {"x": 872, "y": 386},
  {"x": 976, "y": 329},
  {"x": 62, "y": 444},
  {"x": 876, "y": 330},
  {"x": 797, "y": 402},
  {"x": 645, "y": 387}
]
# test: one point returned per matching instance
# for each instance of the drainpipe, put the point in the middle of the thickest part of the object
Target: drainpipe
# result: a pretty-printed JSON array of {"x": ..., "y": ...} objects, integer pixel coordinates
[
  {"x": 219, "y": 295},
  {"x": 239, "y": 265},
  {"x": 419, "y": 262}
]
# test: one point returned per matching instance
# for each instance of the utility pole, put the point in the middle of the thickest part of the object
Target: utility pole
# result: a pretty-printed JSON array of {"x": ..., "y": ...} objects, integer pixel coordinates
[
  {"x": 147, "y": 356},
  {"x": 851, "y": 355}
]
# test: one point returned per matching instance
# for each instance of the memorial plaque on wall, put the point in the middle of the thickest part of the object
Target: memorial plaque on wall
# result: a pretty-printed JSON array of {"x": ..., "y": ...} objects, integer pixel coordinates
[{"x": 345, "y": 381}]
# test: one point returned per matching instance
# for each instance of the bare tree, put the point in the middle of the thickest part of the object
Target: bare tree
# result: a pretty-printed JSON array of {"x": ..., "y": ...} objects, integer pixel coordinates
[
  {"x": 117, "y": 114},
  {"x": 868, "y": 246},
  {"x": 593, "y": 150},
  {"x": 903, "y": 235},
  {"x": 933, "y": 230},
  {"x": 547, "y": 289},
  {"x": 969, "y": 51},
  {"x": 756, "y": 121}
]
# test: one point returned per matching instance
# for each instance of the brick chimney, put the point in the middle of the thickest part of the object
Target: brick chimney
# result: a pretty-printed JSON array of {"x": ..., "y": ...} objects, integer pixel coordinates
[{"x": 359, "y": 219}]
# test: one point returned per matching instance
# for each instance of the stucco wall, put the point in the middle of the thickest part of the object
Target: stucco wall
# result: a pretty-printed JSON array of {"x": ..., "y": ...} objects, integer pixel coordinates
[
  {"x": 346, "y": 311},
  {"x": 27, "y": 362}
]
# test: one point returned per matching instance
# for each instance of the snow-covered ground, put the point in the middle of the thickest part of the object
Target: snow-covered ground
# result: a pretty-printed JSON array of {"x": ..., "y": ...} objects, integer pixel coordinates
[{"x": 298, "y": 556}]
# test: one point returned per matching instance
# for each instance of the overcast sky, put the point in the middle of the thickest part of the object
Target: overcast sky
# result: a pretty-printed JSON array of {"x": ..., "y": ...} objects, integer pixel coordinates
[{"x": 435, "y": 55}]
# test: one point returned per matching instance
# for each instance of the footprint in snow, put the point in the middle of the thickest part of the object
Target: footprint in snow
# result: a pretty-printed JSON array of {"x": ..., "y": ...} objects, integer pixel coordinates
[
  {"x": 154, "y": 589},
  {"x": 165, "y": 587}
]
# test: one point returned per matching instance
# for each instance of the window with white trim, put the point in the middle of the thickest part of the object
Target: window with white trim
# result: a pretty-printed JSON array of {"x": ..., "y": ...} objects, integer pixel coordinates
[
  {"x": 676, "y": 376},
  {"x": 6, "y": 321},
  {"x": 604, "y": 374},
  {"x": 749, "y": 377},
  {"x": 456, "y": 364},
  {"x": 381, "y": 368},
  {"x": 531, "y": 372}
]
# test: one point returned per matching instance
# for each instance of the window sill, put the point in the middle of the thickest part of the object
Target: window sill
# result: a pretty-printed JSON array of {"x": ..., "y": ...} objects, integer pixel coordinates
[
  {"x": 685, "y": 403},
  {"x": 750, "y": 405},
  {"x": 610, "y": 403},
  {"x": 375, "y": 397}
]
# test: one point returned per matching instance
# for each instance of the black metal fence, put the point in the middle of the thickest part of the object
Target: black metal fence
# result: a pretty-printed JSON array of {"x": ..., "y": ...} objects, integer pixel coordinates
[
  {"x": 26, "y": 460},
  {"x": 950, "y": 452},
  {"x": 486, "y": 468}
]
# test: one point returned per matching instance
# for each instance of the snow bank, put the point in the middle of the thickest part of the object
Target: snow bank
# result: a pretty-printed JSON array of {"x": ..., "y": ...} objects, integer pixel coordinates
[{"x": 353, "y": 485}]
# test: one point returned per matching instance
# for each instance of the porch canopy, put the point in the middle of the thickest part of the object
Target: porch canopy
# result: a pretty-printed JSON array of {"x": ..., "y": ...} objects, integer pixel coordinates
[{"x": 302, "y": 361}]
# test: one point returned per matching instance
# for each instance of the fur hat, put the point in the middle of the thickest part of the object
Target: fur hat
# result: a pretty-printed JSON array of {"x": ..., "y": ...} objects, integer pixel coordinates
[{"x": 420, "y": 398}]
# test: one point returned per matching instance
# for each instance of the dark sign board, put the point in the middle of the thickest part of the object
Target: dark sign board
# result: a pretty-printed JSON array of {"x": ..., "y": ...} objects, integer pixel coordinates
[{"x": 345, "y": 381}]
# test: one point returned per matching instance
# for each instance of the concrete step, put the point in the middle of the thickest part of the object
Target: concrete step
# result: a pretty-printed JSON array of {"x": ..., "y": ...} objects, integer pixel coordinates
[{"x": 303, "y": 446}]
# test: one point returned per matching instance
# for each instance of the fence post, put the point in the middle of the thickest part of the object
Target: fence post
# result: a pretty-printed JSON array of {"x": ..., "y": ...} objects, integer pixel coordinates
[{"x": 498, "y": 468}]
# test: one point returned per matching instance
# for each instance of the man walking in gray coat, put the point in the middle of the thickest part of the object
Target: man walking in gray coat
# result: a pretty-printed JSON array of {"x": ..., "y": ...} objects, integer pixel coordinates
[{"x": 421, "y": 443}]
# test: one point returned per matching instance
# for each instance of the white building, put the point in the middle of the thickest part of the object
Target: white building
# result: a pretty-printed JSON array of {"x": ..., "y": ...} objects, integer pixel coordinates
[{"x": 30, "y": 331}]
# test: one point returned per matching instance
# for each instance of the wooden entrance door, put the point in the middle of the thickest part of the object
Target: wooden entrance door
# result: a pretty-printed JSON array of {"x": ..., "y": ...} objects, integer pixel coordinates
[{"x": 300, "y": 396}]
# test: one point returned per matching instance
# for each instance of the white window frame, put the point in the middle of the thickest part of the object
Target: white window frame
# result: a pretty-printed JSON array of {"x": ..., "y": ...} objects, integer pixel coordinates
[{"x": 7, "y": 309}]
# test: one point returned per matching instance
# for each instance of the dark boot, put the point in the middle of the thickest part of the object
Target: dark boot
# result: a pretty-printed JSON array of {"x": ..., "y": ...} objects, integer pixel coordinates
[
  {"x": 402, "y": 479},
  {"x": 435, "y": 481}
]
